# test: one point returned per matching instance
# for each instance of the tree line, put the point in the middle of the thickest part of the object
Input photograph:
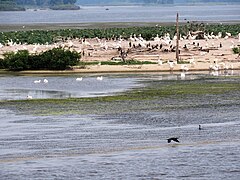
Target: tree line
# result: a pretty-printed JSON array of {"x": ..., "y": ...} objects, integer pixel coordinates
[
  {"x": 44, "y": 2},
  {"x": 16, "y": 5}
]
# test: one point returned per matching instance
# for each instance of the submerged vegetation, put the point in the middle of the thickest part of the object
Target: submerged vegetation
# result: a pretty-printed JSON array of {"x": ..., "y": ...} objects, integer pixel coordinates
[
  {"x": 154, "y": 96},
  {"x": 52, "y": 36}
]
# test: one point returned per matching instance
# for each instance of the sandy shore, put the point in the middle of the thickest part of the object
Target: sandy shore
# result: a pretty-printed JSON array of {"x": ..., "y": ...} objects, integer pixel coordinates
[{"x": 198, "y": 55}]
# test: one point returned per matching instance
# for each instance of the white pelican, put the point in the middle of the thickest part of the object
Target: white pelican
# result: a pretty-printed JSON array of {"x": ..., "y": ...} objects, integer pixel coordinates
[
  {"x": 228, "y": 34},
  {"x": 160, "y": 62},
  {"x": 79, "y": 79},
  {"x": 45, "y": 81},
  {"x": 99, "y": 78},
  {"x": 182, "y": 75},
  {"x": 37, "y": 81},
  {"x": 171, "y": 65},
  {"x": 184, "y": 67}
]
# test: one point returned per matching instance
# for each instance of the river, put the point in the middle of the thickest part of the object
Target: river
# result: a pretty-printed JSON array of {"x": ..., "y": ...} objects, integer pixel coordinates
[
  {"x": 92, "y": 14},
  {"x": 131, "y": 145}
]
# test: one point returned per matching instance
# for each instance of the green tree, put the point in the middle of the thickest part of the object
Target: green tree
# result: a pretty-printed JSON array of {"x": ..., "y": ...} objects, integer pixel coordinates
[
  {"x": 60, "y": 59},
  {"x": 54, "y": 59},
  {"x": 17, "y": 61}
]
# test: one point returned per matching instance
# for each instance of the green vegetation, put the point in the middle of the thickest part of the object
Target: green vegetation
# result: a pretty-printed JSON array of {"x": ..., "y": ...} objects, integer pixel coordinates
[
  {"x": 236, "y": 50},
  {"x": 18, "y": 5},
  {"x": 54, "y": 59},
  {"x": 154, "y": 96},
  {"x": 43, "y": 36},
  {"x": 127, "y": 62},
  {"x": 10, "y": 5}
]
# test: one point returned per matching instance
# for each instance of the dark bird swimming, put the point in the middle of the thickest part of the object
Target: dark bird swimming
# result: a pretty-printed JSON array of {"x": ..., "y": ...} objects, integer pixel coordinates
[
  {"x": 199, "y": 127},
  {"x": 173, "y": 139}
]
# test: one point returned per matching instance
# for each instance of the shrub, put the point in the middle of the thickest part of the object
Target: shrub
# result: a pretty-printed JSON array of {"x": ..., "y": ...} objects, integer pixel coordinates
[
  {"x": 17, "y": 61},
  {"x": 54, "y": 59},
  {"x": 59, "y": 59},
  {"x": 236, "y": 50},
  {"x": 3, "y": 64}
]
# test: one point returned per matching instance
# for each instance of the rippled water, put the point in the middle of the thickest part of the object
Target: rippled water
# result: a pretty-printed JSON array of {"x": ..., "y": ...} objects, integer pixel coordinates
[
  {"x": 216, "y": 13},
  {"x": 129, "y": 145}
]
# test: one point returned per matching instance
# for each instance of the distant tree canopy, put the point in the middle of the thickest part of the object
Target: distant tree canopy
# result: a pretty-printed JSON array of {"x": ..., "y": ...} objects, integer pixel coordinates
[
  {"x": 18, "y": 5},
  {"x": 44, "y": 2},
  {"x": 6, "y": 5}
]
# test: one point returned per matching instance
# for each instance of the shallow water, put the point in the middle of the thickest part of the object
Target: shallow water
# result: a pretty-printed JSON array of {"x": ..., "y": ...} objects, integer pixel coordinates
[
  {"x": 19, "y": 87},
  {"x": 129, "y": 145},
  {"x": 14, "y": 87}
]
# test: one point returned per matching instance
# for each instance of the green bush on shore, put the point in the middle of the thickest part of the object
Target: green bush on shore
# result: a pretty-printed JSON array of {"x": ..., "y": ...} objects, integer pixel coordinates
[{"x": 54, "y": 59}]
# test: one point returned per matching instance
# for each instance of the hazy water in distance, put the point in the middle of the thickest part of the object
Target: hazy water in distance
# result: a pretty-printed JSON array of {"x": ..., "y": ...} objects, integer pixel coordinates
[{"x": 90, "y": 14}]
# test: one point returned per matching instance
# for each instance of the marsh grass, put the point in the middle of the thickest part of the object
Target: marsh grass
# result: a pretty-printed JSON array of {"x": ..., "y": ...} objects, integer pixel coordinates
[{"x": 155, "y": 96}]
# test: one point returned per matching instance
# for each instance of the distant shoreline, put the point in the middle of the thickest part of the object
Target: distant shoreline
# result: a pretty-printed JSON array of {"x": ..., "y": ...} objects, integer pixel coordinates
[{"x": 92, "y": 25}]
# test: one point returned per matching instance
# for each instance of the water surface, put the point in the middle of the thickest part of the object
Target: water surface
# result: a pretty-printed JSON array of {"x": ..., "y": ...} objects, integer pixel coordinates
[
  {"x": 91, "y": 14},
  {"x": 128, "y": 145}
]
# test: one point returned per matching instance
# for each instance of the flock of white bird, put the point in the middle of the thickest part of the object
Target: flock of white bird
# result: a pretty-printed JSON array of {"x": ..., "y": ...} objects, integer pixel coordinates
[
  {"x": 45, "y": 81},
  {"x": 83, "y": 44}
]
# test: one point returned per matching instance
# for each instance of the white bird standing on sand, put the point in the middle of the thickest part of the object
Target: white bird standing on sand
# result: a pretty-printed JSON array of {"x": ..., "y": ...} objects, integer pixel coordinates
[
  {"x": 160, "y": 62},
  {"x": 171, "y": 65},
  {"x": 157, "y": 39},
  {"x": 184, "y": 67},
  {"x": 219, "y": 35},
  {"x": 192, "y": 62},
  {"x": 228, "y": 34},
  {"x": 214, "y": 67},
  {"x": 131, "y": 38},
  {"x": 232, "y": 46}
]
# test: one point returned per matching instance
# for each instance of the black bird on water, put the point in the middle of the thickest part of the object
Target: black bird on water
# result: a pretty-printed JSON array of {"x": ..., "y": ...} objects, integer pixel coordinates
[
  {"x": 199, "y": 127},
  {"x": 173, "y": 139}
]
